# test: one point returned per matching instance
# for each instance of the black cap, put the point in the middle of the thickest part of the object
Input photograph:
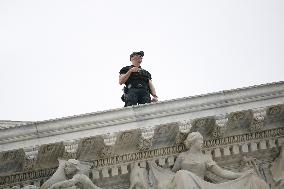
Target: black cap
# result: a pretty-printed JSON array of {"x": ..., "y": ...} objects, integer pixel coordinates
[{"x": 141, "y": 53}]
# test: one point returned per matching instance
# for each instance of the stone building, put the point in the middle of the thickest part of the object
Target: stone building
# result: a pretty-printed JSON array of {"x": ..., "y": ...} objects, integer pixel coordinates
[{"x": 242, "y": 129}]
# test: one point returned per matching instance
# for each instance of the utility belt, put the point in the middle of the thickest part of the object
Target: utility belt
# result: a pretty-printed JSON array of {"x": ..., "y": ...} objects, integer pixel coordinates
[
  {"x": 137, "y": 86},
  {"x": 133, "y": 86}
]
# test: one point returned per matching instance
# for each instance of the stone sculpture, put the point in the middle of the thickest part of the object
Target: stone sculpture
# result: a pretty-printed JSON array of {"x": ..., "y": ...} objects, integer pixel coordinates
[
  {"x": 248, "y": 162},
  {"x": 277, "y": 169},
  {"x": 138, "y": 177},
  {"x": 191, "y": 166},
  {"x": 70, "y": 174}
]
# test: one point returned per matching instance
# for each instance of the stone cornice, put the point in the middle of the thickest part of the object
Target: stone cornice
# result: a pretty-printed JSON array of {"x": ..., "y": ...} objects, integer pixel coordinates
[
  {"x": 5, "y": 124},
  {"x": 164, "y": 155},
  {"x": 100, "y": 123}
]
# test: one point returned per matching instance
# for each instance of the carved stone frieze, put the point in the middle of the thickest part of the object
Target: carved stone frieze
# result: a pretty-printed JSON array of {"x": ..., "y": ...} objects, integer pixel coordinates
[
  {"x": 107, "y": 151},
  {"x": 165, "y": 135},
  {"x": 220, "y": 127},
  {"x": 146, "y": 138},
  {"x": 138, "y": 156},
  {"x": 29, "y": 175},
  {"x": 269, "y": 135},
  {"x": 247, "y": 137},
  {"x": 238, "y": 121},
  {"x": 108, "y": 166},
  {"x": 90, "y": 148},
  {"x": 12, "y": 161},
  {"x": 184, "y": 128},
  {"x": 258, "y": 118},
  {"x": 275, "y": 113},
  {"x": 71, "y": 148},
  {"x": 126, "y": 137},
  {"x": 110, "y": 139},
  {"x": 48, "y": 155},
  {"x": 144, "y": 144},
  {"x": 31, "y": 158},
  {"x": 203, "y": 125},
  {"x": 248, "y": 134},
  {"x": 127, "y": 141}
]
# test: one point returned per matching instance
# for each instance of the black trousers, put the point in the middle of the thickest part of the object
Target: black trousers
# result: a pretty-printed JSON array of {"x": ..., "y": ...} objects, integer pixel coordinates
[{"x": 136, "y": 96}]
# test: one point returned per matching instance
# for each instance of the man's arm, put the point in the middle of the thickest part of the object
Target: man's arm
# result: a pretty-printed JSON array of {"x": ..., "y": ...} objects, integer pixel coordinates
[
  {"x": 153, "y": 91},
  {"x": 124, "y": 77}
]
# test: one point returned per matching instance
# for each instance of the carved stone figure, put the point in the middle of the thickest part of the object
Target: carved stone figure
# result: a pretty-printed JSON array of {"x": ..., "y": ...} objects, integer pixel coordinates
[
  {"x": 191, "y": 166},
  {"x": 277, "y": 169},
  {"x": 138, "y": 177},
  {"x": 70, "y": 174},
  {"x": 248, "y": 162}
]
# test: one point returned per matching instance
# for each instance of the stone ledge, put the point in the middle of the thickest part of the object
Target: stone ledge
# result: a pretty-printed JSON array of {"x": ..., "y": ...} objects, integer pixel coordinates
[{"x": 144, "y": 115}]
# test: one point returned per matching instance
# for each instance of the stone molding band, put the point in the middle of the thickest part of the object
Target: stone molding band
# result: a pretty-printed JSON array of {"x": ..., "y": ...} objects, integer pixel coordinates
[
  {"x": 248, "y": 137},
  {"x": 21, "y": 177}
]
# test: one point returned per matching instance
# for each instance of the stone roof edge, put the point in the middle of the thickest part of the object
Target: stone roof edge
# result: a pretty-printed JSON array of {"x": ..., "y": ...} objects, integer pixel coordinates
[
  {"x": 196, "y": 97},
  {"x": 14, "y": 122},
  {"x": 148, "y": 115}
]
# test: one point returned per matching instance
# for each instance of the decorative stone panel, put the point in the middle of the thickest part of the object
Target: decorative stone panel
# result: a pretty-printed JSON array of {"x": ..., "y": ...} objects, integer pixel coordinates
[
  {"x": 219, "y": 129},
  {"x": 12, "y": 161},
  {"x": 258, "y": 118},
  {"x": 48, "y": 155},
  {"x": 91, "y": 148},
  {"x": 238, "y": 122},
  {"x": 165, "y": 135},
  {"x": 184, "y": 128},
  {"x": 203, "y": 125},
  {"x": 275, "y": 113},
  {"x": 31, "y": 158}
]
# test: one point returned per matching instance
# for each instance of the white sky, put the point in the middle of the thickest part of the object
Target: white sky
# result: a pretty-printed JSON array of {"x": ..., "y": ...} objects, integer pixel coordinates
[{"x": 62, "y": 57}]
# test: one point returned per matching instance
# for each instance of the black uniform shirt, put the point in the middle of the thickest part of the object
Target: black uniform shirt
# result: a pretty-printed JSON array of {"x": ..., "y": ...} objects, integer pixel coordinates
[{"x": 141, "y": 77}]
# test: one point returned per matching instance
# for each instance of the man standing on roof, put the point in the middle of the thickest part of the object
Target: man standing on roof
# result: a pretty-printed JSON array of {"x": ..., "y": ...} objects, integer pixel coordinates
[{"x": 138, "y": 82}]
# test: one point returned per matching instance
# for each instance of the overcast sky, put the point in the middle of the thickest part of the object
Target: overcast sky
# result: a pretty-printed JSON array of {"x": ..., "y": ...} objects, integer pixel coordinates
[{"x": 62, "y": 57}]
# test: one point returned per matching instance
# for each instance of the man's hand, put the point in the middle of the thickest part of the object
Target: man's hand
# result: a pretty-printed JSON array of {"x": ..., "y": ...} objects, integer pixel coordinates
[
  {"x": 154, "y": 99},
  {"x": 134, "y": 69},
  {"x": 124, "y": 77}
]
